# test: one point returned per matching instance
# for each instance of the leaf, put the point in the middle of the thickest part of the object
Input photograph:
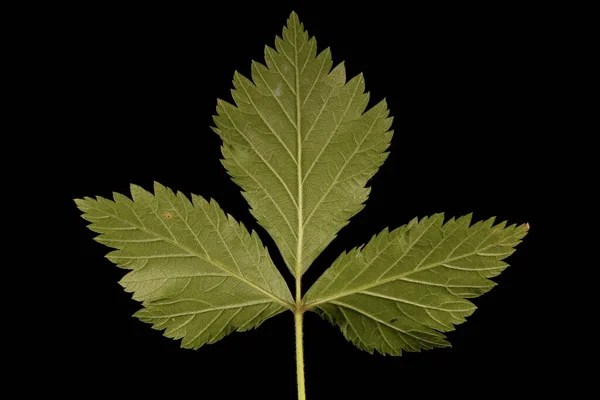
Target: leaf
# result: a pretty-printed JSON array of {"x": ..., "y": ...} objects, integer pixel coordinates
[
  {"x": 298, "y": 144},
  {"x": 405, "y": 287},
  {"x": 302, "y": 146},
  {"x": 199, "y": 274}
]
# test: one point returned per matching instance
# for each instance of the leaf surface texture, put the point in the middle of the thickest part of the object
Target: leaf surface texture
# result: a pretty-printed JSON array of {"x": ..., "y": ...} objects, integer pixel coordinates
[
  {"x": 404, "y": 288},
  {"x": 301, "y": 146},
  {"x": 199, "y": 274}
]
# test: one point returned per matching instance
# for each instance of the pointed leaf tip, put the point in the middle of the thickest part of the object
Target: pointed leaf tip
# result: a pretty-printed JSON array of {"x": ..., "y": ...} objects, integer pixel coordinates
[{"x": 294, "y": 16}]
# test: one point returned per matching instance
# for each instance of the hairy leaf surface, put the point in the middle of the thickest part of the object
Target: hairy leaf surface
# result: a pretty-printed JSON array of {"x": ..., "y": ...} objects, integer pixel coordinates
[
  {"x": 199, "y": 274},
  {"x": 297, "y": 141},
  {"x": 405, "y": 287}
]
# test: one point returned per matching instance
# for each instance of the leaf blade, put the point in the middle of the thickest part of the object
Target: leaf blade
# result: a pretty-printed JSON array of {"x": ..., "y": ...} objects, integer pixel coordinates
[
  {"x": 199, "y": 274},
  {"x": 413, "y": 282},
  {"x": 300, "y": 145}
]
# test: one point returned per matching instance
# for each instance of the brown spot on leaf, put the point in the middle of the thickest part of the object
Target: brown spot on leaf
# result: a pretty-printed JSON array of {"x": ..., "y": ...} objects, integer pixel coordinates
[
  {"x": 168, "y": 215},
  {"x": 393, "y": 320}
]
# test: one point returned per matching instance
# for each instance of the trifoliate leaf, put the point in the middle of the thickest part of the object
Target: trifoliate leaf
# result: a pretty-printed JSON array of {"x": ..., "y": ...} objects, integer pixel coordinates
[
  {"x": 302, "y": 148},
  {"x": 405, "y": 287},
  {"x": 199, "y": 274},
  {"x": 298, "y": 144}
]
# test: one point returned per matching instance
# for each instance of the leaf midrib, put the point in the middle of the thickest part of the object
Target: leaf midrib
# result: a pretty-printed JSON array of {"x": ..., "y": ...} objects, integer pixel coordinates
[
  {"x": 400, "y": 276},
  {"x": 194, "y": 253},
  {"x": 206, "y": 310},
  {"x": 300, "y": 204}
]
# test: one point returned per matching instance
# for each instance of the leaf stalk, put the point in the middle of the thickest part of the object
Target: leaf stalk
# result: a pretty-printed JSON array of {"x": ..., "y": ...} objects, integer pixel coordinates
[{"x": 298, "y": 316}]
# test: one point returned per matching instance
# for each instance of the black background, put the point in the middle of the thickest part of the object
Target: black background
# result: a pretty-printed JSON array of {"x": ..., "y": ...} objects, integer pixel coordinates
[{"x": 468, "y": 88}]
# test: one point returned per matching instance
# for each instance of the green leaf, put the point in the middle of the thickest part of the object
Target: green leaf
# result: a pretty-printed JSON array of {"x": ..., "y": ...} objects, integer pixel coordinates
[
  {"x": 302, "y": 147},
  {"x": 298, "y": 144},
  {"x": 199, "y": 274},
  {"x": 405, "y": 287}
]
